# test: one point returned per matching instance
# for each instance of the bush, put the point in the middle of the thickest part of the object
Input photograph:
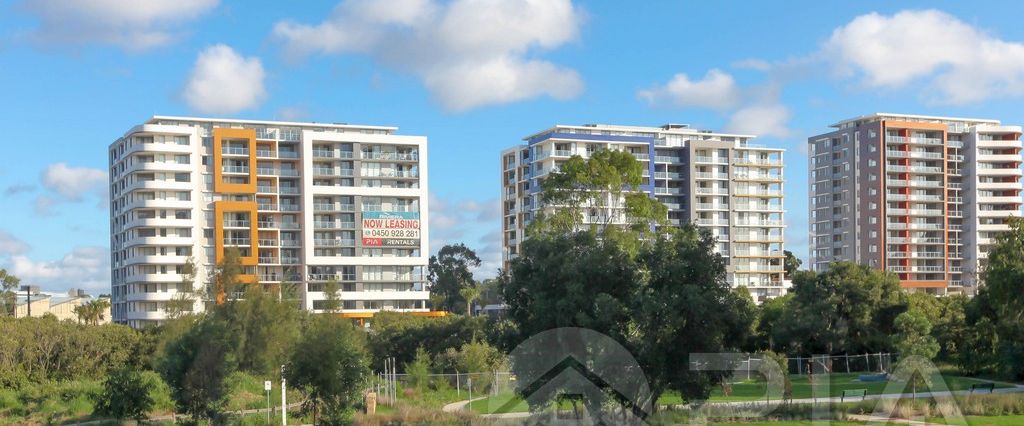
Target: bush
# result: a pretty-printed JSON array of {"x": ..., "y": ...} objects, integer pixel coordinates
[
  {"x": 126, "y": 395},
  {"x": 53, "y": 350}
]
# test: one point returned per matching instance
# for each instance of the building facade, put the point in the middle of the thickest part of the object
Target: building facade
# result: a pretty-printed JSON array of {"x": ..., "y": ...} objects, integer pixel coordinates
[
  {"x": 60, "y": 305},
  {"x": 303, "y": 203},
  {"x": 919, "y": 196},
  {"x": 721, "y": 182}
]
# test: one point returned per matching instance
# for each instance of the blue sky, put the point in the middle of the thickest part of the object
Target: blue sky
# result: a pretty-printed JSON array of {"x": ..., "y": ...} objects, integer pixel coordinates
[{"x": 475, "y": 76}]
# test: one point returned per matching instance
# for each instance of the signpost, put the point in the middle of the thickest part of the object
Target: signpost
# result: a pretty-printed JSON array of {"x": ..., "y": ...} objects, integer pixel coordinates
[{"x": 266, "y": 387}]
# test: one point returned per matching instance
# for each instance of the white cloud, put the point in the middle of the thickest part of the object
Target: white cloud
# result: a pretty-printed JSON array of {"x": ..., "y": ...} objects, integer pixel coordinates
[
  {"x": 717, "y": 90},
  {"x": 72, "y": 182},
  {"x": 86, "y": 267},
  {"x": 134, "y": 25},
  {"x": 760, "y": 120},
  {"x": 224, "y": 82},
  {"x": 467, "y": 53},
  {"x": 957, "y": 62},
  {"x": 63, "y": 183},
  {"x": 753, "y": 110},
  {"x": 11, "y": 245}
]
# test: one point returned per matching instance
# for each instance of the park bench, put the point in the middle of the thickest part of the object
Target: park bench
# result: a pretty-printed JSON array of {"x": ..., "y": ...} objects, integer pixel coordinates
[
  {"x": 853, "y": 392},
  {"x": 978, "y": 386}
]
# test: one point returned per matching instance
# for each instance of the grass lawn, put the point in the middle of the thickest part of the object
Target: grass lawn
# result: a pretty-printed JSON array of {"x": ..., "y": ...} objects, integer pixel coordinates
[
  {"x": 986, "y": 420},
  {"x": 748, "y": 391}
]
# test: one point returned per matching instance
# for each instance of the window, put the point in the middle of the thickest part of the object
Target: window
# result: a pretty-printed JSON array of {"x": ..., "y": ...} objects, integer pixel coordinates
[
  {"x": 873, "y": 248},
  {"x": 872, "y": 220}
]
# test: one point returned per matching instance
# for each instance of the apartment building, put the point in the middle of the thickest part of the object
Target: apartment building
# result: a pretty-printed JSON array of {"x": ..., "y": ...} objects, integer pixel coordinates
[
  {"x": 719, "y": 181},
  {"x": 303, "y": 203},
  {"x": 919, "y": 196}
]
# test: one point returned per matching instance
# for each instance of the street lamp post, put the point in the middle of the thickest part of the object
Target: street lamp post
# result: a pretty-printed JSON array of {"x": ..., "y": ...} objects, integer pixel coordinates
[{"x": 29, "y": 291}]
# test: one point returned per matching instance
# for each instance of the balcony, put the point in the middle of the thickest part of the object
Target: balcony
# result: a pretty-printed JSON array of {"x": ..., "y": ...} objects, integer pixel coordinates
[
  {"x": 263, "y": 189},
  {"x": 237, "y": 241},
  {"x": 234, "y": 151},
  {"x": 235, "y": 169},
  {"x": 287, "y": 154},
  {"x": 264, "y": 153},
  {"x": 712, "y": 191},
  {"x": 266, "y": 207},
  {"x": 267, "y": 242},
  {"x": 236, "y": 223},
  {"x": 288, "y": 172},
  {"x": 288, "y": 190},
  {"x": 289, "y": 260},
  {"x": 323, "y": 153},
  {"x": 925, "y": 141},
  {"x": 666, "y": 175},
  {"x": 267, "y": 260},
  {"x": 290, "y": 243},
  {"x": 661, "y": 190},
  {"x": 711, "y": 160},
  {"x": 712, "y": 206},
  {"x": 665, "y": 159}
]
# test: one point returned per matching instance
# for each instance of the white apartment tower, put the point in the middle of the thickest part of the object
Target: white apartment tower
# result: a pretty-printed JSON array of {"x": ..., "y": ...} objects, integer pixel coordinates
[
  {"x": 719, "y": 181},
  {"x": 304, "y": 203},
  {"x": 920, "y": 196}
]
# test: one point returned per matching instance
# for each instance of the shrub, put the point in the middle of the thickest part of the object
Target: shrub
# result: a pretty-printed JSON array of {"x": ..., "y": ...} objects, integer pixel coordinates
[{"x": 126, "y": 395}]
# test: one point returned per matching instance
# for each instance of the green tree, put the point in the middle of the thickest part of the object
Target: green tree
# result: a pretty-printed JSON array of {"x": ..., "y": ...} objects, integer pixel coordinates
[
  {"x": 769, "y": 315},
  {"x": 92, "y": 312},
  {"x": 477, "y": 358},
  {"x": 662, "y": 298},
  {"x": 330, "y": 365},
  {"x": 791, "y": 263},
  {"x": 470, "y": 294},
  {"x": 125, "y": 395},
  {"x": 418, "y": 370},
  {"x": 223, "y": 278},
  {"x": 196, "y": 364},
  {"x": 450, "y": 273},
  {"x": 185, "y": 298},
  {"x": 604, "y": 187},
  {"x": 398, "y": 336},
  {"x": 916, "y": 348},
  {"x": 848, "y": 309},
  {"x": 264, "y": 328},
  {"x": 1001, "y": 299},
  {"x": 8, "y": 288},
  {"x": 332, "y": 296}
]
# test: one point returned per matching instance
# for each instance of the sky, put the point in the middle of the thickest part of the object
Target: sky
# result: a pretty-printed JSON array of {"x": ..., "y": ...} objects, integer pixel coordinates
[{"x": 474, "y": 76}]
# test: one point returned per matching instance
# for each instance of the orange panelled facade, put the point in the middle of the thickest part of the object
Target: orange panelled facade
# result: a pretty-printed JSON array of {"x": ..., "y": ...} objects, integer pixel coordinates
[
  {"x": 904, "y": 129},
  {"x": 220, "y": 208}
]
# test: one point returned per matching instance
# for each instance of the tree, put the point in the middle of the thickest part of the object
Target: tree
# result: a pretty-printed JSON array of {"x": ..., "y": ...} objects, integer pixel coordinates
[
  {"x": 196, "y": 364},
  {"x": 604, "y": 187},
  {"x": 475, "y": 358},
  {"x": 450, "y": 273},
  {"x": 8, "y": 287},
  {"x": 224, "y": 276},
  {"x": 1001, "y": 301},
  {"x": 916, "y": 348},
  {"x": 330, "y": 365},
  {"x": 398, "y": 336},
  {"x": 332, "y": 300},
  {"x": 185, "y": 298},
  {"x": 265, "y": 329},
  {"x": 791, "y": 264},
  {"x": 469, "y": 294},
  {"x": 125, "y": 395},
  {"x": 848, "y": 309},
  {"x": 418, "y": 371},
  {"x": 92, "y": 312},
  {"x": 662, "y": 298}
]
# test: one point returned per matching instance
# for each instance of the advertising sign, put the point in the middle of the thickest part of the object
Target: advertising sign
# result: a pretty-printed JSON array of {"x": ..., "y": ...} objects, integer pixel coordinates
[{"x": 391, "y": 229}]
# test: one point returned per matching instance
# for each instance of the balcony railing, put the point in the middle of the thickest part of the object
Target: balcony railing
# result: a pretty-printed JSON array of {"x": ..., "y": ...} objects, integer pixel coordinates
[
  {"x": 236, "y": 223},
  {"x": 234, "y": 151},
  {"x": 236, "y": 241},
  {"x": 235, "y": 169},
  {"x": 290, "y": 243}
]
